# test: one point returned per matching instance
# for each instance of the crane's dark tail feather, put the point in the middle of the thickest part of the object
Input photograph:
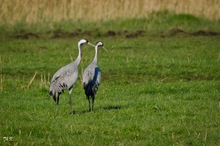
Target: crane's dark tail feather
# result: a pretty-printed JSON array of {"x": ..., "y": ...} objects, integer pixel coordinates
[
  {"x": 90, "y": 89},
  {"x": 54, "y": 95},
  {"x": 50, "y": 93},
  {"x": 95, "y": 88}
]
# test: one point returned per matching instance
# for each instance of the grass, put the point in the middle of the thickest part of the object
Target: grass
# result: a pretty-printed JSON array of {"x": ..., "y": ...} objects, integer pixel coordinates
[
  {"x": 156, "y": 23},
  {"x": 157, "y": 89}
]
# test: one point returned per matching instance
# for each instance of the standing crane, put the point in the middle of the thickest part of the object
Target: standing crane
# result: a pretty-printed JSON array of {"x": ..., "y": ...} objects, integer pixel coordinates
[
  {"x": 92, "y": 77},
  {"x": 66, "y": 76}
]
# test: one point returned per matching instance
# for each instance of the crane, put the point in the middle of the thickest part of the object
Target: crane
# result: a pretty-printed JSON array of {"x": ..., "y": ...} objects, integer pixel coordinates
[
  {"x": 92, "y": 77},
  {"x": 66, "y": 76}
]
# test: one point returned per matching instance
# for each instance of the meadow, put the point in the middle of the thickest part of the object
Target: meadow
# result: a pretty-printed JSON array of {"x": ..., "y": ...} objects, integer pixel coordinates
[
  {"x": 160, "y": 82},
  {"x": 41, "y": 11}
]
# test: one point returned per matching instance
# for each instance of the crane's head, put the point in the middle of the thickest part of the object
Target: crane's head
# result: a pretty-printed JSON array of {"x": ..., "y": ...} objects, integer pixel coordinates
[
  {"x": 101, "y": 45},
  {"x": 84, "y": 41}
]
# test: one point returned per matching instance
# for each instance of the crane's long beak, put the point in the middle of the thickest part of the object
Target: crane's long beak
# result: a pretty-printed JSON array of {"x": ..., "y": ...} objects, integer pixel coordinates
[
  {"x": 105, "y": 49},
  {"x": 91, "y": 44}
]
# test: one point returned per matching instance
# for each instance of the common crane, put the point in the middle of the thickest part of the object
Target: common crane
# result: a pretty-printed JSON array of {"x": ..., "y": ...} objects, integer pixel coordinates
[
  {"x": 66, "y": 76},
  {"x": 92, "y": 77}
]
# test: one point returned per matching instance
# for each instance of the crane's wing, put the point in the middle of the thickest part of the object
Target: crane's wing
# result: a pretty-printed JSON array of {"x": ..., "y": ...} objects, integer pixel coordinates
[
  {"x": 96, "y": 80},
  {"x": 92, "y": 74},
  {"x": 98, "y": 75},
  {"x": 91, "y": 80},
  {"x": 88, "y": 75},
  {"x": 63, "y": 79},
  {"x": 59, "y": 73}
]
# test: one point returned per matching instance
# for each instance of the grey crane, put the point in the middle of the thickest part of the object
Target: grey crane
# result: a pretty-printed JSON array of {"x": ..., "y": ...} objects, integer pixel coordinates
[
  {"x": 66, "y": 76},
  {"x": 92, "y": 77}
]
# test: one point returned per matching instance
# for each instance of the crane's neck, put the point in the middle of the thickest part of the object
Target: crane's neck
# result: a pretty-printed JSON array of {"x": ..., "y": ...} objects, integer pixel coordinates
[
  {"x": 78, "y": 59},
  {"x": 96, "y": 55}
]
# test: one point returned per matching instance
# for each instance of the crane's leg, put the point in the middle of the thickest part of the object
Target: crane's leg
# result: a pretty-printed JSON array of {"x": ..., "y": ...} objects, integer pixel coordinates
[
  {"x": 89, "y": 103},
  {"x": 57, "y": 102},
  {"x": 93, "y": 100},
  {"x": 71, "y": 108}
]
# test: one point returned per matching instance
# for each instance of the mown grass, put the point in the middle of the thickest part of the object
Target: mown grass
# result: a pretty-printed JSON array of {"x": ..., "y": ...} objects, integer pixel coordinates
[{"x": 156, "y": 89}]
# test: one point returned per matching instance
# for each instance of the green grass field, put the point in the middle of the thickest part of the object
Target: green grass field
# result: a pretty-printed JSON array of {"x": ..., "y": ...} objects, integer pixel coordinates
[{"x": 160, "y": 83}]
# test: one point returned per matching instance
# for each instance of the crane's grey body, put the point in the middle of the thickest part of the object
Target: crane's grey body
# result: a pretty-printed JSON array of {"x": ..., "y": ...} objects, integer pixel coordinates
[
  {"x": 65, "y": 77},
  {"x": 92, "y": 78}
]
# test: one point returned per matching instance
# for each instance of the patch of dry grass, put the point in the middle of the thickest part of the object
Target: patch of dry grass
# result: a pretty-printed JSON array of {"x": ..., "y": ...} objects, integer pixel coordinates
[{"x": 97, "y": 10}]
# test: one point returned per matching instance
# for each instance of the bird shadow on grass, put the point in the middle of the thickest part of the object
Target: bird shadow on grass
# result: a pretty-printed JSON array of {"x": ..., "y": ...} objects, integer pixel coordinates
[{"x": 110, "y": 107}]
